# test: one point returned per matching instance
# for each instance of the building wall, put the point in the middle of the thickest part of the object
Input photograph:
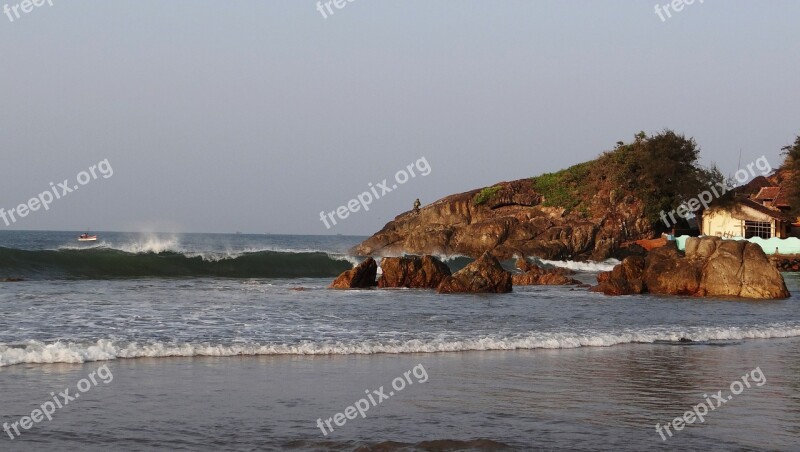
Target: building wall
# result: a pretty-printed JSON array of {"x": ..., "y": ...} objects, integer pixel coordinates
[
  {"x": 720, "y": 222},
  {"x": 717, "y": 222},
  {"x": 783, "y": 246}
]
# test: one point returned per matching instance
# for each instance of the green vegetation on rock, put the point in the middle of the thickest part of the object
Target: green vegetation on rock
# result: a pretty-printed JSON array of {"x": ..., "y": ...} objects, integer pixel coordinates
[
  {"x": 565, "y": 188},
  {"x": 661, "y": 171},
  {"x": 486, "y": 194}
]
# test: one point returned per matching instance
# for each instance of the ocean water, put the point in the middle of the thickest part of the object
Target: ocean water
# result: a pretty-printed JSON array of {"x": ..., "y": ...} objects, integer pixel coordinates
[{"x": 233, "y": 342}]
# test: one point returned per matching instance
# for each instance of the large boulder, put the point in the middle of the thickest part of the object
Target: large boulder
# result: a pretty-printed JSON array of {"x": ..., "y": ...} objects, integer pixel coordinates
[
  {"x": 361, "y": 276},
  {"x": 485, "y": 275},
  {"x": 624, "y": 279},
  {"x": 722, "y": 275},
  {"x": 533, "y": 275},
  {"x": 701, "y": 248},
  {"x": 710, "y": 267},
  {"x": 668, "y": 272},
  {"x": 760, "y": 278},
  {"x": 413, "y": 272}
]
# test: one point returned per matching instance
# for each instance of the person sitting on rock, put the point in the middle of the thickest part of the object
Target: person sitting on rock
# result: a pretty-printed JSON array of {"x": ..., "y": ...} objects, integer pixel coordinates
[{"x": 416, "y": 205}]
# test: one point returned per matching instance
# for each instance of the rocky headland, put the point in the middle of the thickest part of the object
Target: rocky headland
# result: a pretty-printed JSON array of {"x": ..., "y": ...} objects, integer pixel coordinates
[
  {"x": 591, "y": 210},
  {"x": 511, "y": 219},
  {"x": 607, "y": 207}
]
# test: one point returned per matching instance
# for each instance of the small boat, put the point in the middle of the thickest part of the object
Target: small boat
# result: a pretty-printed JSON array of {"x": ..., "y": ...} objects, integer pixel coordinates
[{"x": 87, "y": 238}]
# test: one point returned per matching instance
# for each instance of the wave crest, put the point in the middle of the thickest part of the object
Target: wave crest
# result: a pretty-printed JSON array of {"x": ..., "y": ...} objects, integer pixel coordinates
[
  {"x": 100, "y": 262},
  {"x": 35, "y": 352}
]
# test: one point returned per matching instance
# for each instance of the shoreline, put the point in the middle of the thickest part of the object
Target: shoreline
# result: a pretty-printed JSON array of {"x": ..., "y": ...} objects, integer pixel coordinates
[{"x": 518, "y": 399}]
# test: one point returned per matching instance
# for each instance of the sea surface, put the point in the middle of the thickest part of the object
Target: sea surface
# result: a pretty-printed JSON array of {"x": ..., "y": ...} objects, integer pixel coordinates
[{"x": 233, "y": 342}]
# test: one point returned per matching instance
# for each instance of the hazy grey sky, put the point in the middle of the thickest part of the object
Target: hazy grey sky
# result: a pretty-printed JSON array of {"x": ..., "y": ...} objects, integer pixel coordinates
[{"x": 254, "y": 116}]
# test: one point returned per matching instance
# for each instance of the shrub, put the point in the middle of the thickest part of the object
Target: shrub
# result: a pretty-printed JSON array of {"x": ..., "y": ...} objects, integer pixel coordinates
[{"x": 486, "y": 194}]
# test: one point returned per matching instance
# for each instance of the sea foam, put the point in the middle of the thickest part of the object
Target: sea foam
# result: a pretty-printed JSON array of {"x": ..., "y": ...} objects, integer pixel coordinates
[{"x": 35, "y": 352}]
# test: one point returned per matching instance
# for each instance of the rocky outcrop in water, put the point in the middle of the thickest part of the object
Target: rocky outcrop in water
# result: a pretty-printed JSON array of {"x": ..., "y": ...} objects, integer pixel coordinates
[
  {"x": 413, "y": 272},
  {"x": 512, "y": 220},
  {"x": 710, "y": 267},
  {"x": 624, "y": 279},
  {"x": 485, "y": 275},
  {"x": 361, "y": 276},
  {"x": 786, "y": 263}
]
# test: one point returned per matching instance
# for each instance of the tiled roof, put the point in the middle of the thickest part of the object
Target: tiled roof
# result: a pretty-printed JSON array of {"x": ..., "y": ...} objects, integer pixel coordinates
[
  {"x": 774, "y": 213},
  {"x": 782, "y": 200},
  {"x": 767, "y": 193},
  {"x": 755, "y": 185}
]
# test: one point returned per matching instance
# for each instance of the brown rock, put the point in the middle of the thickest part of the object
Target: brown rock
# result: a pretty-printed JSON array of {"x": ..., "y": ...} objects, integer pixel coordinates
[
  {"x": 706, "y": 247},
  {"x": 523, "y": 265},
  {"x": 360, "y": 277},
  {"x": 511, "y": 221},
  {"x": 651, "y": 244},
  {"x": 485, "y": 275},
  {"x": 533, "y": 275},
  {"x": 413, "y": 272},
  {"x": 690, "y": 247},
  {"x": 721, "y": 275},
  {"x": 625, "y": 279},
  {"x": 759, "y": 278},
  {"x": 711, "y": 267},
  {"x": 668, "y": 272}
]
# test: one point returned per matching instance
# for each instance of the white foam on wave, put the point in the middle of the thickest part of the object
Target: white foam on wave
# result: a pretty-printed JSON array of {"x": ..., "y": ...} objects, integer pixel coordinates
[
  {"x": 152, "y": 244},
  {"x": 451, "y": 257},
  {"x": 604, "y": 266},
  {"x": 149, "y": 244},
  {"x": 157, "y": 245},
  {"x": 35, "y": 352},
  {"x": 86, "y": 246},
  {"x": 352, "y": 259}
]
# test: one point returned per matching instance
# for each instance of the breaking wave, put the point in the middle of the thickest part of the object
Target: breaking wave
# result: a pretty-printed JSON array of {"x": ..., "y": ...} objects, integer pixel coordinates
[
  {"x": 604, "y": 266},
  {"x": 158, "y": 260},
  {"x": 35, "y": 352}
]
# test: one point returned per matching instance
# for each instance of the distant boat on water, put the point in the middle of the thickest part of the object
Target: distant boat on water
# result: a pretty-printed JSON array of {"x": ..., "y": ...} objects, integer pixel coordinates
[{"x": 85, "y": 237}]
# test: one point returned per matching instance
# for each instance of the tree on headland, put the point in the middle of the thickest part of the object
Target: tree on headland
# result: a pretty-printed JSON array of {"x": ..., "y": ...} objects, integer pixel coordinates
[
  {"x": 661, "y": 170},
  {"x": 792, "y": 151},
  {"x": 791, "y": 165}
]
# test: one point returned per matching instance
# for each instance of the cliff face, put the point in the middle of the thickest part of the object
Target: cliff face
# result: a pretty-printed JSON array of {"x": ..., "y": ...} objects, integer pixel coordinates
[{"x": 511, "y": 218}]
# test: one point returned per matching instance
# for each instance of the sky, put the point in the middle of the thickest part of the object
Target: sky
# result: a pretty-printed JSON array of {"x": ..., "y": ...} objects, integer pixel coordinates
[{"x": 256, "y": 116}]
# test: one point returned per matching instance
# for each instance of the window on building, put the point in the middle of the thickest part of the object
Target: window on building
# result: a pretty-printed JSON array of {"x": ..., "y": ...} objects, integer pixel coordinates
[{"x": 761, "y": 229}]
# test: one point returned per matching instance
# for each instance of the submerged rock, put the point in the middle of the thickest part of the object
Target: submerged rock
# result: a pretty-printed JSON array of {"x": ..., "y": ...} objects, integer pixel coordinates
[
  {"x": 710, "y": 267},
  {"x": 360, "y": 277},
  {"x": 413, "y": 272},
  {"x": 485, "y": 275}
]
